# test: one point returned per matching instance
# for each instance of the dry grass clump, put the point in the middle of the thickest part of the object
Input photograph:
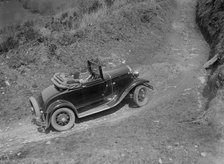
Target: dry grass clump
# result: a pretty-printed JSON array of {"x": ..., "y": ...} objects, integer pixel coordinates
[
  {"x": 96, "y": 21},
  {"x": 210, "y": 18},
  {"x": 50, "y": 7},
  {"x": 15, "y": 36}
]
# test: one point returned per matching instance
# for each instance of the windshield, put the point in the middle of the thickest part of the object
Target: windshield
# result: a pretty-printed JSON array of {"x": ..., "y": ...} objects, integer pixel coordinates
[{"x": 94, "y": 69}]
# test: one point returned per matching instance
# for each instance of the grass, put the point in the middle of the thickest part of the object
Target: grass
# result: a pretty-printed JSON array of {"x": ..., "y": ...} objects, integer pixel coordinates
[
  {"x": 210, "y": 19},
  {"x": 75, "y": 24},
  {"x": 62, "y": 42},
  {"x": 14, "y": 36}
]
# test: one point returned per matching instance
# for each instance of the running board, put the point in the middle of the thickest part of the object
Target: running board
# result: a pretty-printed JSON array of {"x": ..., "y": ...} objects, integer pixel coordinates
[
  {"x": 101, "y": 108},
  {"x": 94, "y": 110}
]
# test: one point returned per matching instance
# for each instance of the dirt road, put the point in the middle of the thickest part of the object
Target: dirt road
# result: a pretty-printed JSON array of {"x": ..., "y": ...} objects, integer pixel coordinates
[{"x": 157, "y": 133}]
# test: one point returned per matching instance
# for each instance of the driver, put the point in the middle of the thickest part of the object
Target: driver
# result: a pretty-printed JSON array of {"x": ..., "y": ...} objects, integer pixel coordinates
[
  {"x": 76, "y": 75},
  {"x": 74, "y": 78}
]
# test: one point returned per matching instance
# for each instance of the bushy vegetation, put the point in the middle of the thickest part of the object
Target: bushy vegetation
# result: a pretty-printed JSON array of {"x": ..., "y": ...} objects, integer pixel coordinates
[
  {"x": 210, "y": 18},
  {"x": 8, "y": 44},
  {"x": 41, "y": 7},
  {"x": 69, "y": 33},
  {"x": 97, "y": 21},
  {"x": 50, "y": 7},
  {"x": 17, "y": 35}
]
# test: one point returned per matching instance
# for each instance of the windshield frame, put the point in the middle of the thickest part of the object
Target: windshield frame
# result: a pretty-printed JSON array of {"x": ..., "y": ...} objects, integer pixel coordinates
[{"x": 93, "y": 73}]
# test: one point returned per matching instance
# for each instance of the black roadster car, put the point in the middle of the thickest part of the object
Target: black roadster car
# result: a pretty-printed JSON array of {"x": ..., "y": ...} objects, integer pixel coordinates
[{"x": 71, "y": 97}]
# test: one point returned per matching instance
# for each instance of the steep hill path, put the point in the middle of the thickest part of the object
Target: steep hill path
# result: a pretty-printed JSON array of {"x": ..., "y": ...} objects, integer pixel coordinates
[{"x": 156, "y": 133}]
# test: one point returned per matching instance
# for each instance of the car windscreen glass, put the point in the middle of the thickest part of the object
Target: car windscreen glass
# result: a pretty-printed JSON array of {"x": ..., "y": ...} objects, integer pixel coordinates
[{"x": 95, "y": 69}]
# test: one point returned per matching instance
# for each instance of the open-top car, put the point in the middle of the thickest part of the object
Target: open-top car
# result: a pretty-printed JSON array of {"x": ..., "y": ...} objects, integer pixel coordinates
[{"x": 71, "y": 97}]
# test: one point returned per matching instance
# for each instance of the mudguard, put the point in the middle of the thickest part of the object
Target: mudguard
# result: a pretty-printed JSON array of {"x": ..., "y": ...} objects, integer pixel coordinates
[
  {"x": 135, "y": 83},
  {"x": 148, "y": 85},
  {"x": 139, "y": 81},
  {"x": 54, "y": 106}
]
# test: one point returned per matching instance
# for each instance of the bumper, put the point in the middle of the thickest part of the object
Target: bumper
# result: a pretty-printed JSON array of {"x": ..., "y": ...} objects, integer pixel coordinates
[{"x": 36, "y": 112}]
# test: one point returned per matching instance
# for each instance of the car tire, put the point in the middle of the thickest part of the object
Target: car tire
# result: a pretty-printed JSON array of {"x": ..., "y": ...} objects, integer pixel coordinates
[
  {"x": 62, "y": 119},
  {"x": 141, "y": 95}
]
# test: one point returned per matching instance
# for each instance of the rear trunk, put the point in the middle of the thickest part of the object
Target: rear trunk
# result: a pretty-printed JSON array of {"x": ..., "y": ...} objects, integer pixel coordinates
[{"x": 38, "y": 103}]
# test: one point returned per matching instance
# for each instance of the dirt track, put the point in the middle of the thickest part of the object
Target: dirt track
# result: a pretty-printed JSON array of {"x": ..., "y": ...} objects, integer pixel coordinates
[{"x": 157, "y": 133}]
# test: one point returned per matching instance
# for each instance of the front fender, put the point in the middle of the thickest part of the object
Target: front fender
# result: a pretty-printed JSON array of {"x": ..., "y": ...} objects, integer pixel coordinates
[
  {"x": 135, "y": 83},
  {"x": 148, "y": 85},
  {"x": 54, "y": 106},
  {"x": 138, "y": 81}
]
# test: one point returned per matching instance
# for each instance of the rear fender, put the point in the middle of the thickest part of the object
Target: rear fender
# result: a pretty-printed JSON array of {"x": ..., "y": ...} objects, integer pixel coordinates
[{"x": 54, "y": 106}]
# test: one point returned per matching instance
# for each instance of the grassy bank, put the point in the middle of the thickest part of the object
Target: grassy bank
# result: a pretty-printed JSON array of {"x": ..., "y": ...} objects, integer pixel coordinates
[
  {"x": 210, "y": 18},
  {"x": 62, "y": 41}
]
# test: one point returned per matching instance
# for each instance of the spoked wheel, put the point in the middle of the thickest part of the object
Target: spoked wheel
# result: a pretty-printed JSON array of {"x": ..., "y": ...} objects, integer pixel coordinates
[
  {"x": 62, "y": 119},
  {"x": 141, "y": 95}
]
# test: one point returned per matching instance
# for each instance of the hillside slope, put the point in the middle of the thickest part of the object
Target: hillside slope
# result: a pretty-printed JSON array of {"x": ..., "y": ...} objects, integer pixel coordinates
[
  {"x": 163, "y": 131},
  {"x": 113, "y": 31},
  {"x": 210, "y": 18}
]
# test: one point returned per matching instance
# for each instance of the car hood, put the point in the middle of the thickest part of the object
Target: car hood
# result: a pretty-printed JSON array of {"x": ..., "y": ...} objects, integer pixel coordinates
[
  {"x": 119, "y": 71},
  {"x": 49, "y": 92}
]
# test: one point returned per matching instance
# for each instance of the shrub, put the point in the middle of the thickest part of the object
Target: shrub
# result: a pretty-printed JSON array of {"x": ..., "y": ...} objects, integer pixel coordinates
[
  {"x": 56, "y": 26},
  {"x": 8, "y": 44},
  {"x": 52, "y": 49},
  {"x": 65, "y": 21},
  {"x": 2, "y": 80},
  {"x": 19, "y": 59},
  {"x": 94, "y": 7},
  {"x": 17, "y": 35},
  {"x": 64, "y": 15},
  {"x": 28, "y": 33},
  {"x": 147, "y": 16},
  {"x": 75, "y": 14},
  {"x": 66, "y": 39},
  {"x": 15, "y": 62},
  {"x": 89, "y": 6},
  {"x": 109, "y": 3},
  {"x": 79, "y": 35}
]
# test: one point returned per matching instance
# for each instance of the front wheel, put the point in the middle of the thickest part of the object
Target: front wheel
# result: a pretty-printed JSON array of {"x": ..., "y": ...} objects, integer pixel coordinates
[
  {"x": 62, "y": 119},
  {"x": 141, "y": 95}
]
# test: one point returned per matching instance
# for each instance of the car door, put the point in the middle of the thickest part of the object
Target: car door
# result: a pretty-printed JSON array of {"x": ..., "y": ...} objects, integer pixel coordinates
[
  {"x": 95, "y": 93},
  {"x": 120, "y": 83},
  {"x": 73, "y": 96}
]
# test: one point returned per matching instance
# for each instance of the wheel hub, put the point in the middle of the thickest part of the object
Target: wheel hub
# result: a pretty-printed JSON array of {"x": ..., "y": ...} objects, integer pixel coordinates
[
  {"x": 62, "y": 119},
  {"x": 142, "y": 94}
]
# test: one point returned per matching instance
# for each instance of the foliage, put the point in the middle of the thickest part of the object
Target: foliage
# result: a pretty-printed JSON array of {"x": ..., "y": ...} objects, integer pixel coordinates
[
  {"x": 14, "y": 36},
  {"x": 52, "y": 49},
  {"x": 8, "y": 44},
  {"x": 109, "y": 3}
]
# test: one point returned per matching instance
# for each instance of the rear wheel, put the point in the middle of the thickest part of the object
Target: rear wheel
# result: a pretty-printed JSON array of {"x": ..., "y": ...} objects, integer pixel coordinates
[
  {"x": 141, "y": 95},
  {"x": 62, "y": 119}
]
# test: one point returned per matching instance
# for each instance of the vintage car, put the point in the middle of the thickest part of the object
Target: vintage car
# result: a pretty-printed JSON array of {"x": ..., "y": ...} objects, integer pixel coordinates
[{"x": 72, "y": 97}]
